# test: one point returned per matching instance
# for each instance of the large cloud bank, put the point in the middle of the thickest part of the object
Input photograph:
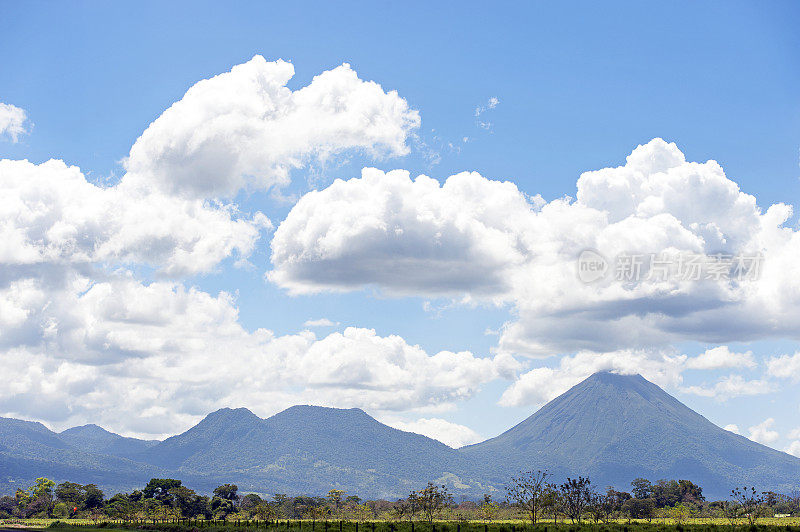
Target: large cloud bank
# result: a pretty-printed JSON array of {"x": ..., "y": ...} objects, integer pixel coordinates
[
  {"x": 85, "y": 338},
  {"x": 160, "y": 355},
  {"x": 486, "y": 240}
]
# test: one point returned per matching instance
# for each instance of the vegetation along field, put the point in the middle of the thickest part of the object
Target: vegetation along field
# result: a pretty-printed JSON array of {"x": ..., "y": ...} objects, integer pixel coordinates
[{"x": 533, "y": 501}]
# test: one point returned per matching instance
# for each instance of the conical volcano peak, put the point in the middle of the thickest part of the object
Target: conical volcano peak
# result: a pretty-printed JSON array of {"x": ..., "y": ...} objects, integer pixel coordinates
[
  {"x": 616, "y": 427},
  {"x": 623, "y": 381},
  {"x": 616, "y": 377}
]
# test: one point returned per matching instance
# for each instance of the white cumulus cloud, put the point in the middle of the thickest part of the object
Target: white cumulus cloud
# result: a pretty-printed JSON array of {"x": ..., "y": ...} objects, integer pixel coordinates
[
  {"x": 785, "y": 366},
  {"x": 794, "y": 448},
  {"x": 732, "y": 386},
  {"x": 449, "y": 433},
  {"x": 721, "y": 357},
  {"x": 733, "y": 428},
  {"x": 85, "y": 340},
  {"x": 475, "y": 239},
  {"x": 51, "y": 214},
  {"x": 763, "y": 433},
  {"x": 108, "y": 351},
  {"x": 404, "y": 235},
  {"x": 246, "y": 129}
]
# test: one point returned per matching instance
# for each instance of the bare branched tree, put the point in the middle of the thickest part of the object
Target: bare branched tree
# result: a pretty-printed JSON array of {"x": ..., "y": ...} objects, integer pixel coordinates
[
  {"x": 577, "y": 496},
  {"x": 750, "y": 503},
  {"x": 527, "y": 492}
]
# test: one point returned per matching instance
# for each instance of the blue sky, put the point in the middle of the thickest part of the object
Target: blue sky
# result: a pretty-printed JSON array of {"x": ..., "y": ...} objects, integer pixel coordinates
[{"x": 578, "y": 85}]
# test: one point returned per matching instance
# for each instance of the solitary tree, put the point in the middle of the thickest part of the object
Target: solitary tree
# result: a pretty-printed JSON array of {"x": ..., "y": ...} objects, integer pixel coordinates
[
  {"x": 750, "y": 503},
  {"x": 432, "y": 499},
  {"x": 577, "y": 496},
  {"x": 526, "y": 491}
]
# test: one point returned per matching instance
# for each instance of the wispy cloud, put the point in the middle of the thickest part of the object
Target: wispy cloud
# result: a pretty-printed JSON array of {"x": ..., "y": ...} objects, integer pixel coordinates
[
  {"x": 324, "y": 322},
  {"x": 481, "y": 109},
  {"x": 13, "y": 121},
  {"x": 491, "y": 104}
]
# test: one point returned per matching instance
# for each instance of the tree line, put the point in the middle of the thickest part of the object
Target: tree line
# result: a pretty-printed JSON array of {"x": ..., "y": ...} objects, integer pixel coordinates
[{"x": 532, "y": 495}]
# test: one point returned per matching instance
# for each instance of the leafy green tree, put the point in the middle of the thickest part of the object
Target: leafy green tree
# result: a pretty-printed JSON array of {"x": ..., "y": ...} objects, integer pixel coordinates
[
  {"x": 121, "y": 506},
  {"x": 335, "y": 498},
  {"x": 153, "y": 508},
  {"x": 315, "y": 513},
  {"x": 249, "y": 503},
  {"x": 221, "y": 508},
  {"x": 265, "y": 511},
  {"x": 7, "y": 506},
  {"x": 187, "y": 502},
  {"x": 637, "y": 508},
  {"x": 680, "y": 513},
  {"x": 43, "y": 487},
  {"x": 224, "y": 501},
  {"x": 228, "y": 492},
  {"x": 642, "y": 488},
  {"x": 61, "y": 510},
  {"x": 70, "y": 493},
  {"x": 93, "y": 498},
  {"x": 690, "y": 492},
  {"x": 23, "y": 499},
  {"x": 603, "y": 505},
  {"x": 40, "y": 500},
  {"x": 158, "y": 488}
]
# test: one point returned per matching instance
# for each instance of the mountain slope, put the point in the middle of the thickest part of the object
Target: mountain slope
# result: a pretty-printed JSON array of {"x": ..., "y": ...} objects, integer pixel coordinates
[
  {"x": 96, "y": 439},
  {"x": 615, "y": 428},
  {"x": 309, "y": 449},
  {"x": 610, "y": 427},
  {"x": 220, "y": 440},
  {"x": 29, "y": 450}
]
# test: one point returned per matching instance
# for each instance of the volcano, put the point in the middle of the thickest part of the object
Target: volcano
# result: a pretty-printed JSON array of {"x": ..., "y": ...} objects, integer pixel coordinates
[{"x": 615, "y": 428}]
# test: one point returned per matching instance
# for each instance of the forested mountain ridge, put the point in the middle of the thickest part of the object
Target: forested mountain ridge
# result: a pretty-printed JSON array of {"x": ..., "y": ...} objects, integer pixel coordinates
[{"x": 611, "y": 427}]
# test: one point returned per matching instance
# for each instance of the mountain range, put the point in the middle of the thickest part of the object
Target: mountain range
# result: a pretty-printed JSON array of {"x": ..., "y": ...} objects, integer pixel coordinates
[{"x": 613, "y": 428}]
